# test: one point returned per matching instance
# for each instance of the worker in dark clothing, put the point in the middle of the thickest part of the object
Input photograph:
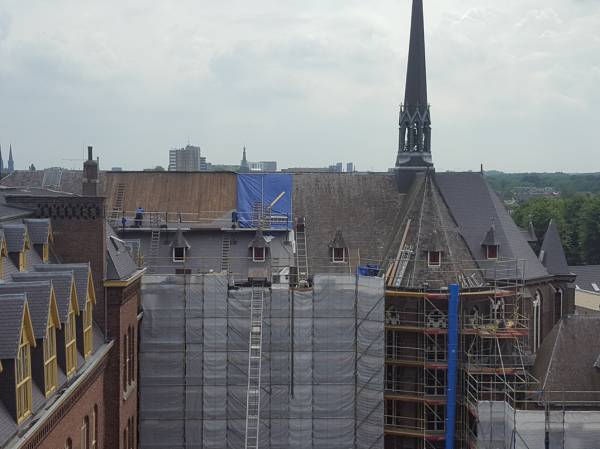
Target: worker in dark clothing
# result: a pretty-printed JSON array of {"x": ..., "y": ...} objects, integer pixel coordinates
[
  {"x": 124, "y": 222},
  {"x": 139, "y": 217}
]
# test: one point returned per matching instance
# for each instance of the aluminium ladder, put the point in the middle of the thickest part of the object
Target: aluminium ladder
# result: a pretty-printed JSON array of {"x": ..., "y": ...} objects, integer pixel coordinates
[
  {"x": 254, "y": 367},
  {"x": 225, "y": 248},
  {"x": 154, "y": 240},
  {"x": 301, "y": 253},
  {"x": 404, "y": 259},
  {"x": 117, "y": 207}
]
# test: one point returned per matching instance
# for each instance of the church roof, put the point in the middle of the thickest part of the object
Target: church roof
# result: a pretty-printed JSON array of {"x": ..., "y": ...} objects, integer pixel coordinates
[
  {"x": 552, "y": 254},
  {"x": 490, "y": 237},
  {"x": 472, "y": 203},
  {"x": 416, "y": 75}
]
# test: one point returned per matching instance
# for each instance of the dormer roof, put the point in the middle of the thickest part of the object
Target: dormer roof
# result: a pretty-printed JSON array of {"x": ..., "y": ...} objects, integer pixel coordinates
[
  {"x": 16, "y": 237},
  {"x": 338, "y": 240},
  {"x": 82, "y": 275},
  {"x": 39, "y": 230},
  {"x": 15, "y": 316}
]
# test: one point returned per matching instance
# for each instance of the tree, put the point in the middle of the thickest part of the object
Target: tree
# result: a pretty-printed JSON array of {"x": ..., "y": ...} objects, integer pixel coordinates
[{"x": 589, "y": 231}]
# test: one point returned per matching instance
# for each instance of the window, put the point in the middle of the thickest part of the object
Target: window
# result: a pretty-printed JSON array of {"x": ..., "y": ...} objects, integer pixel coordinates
[
  {"x": 70, "y": 343},
  {"x": 492, "y": 251},
  {"x": 128, "y": 358},
  {"x": 125, "y": 360},
  {"x": 131, "y": 354},
  {"x": 338, "y": 255},
  {"x": 95, "y": 428},
  {"x": 22, "y": 261},
  {"x": 434, "y": 258},
  {"x": 88, "y": 344},
  {"x": 558, "y": 304},
  {"x": 537, "y": 321},
  {"x": 179, "y": 254},
  {"x": 69, "y": 444},
  {"x": 23, "y": 379},
  {"x": 50, "y": 361},
  {"x": 85, "y": 433},
  {"x": 258, "y": 254},
  {"x": 45, "y": 253}
]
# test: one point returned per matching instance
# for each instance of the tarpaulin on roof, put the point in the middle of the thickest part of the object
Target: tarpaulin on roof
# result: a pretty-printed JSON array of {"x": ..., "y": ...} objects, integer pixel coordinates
[{"x": 256, "y": 192}]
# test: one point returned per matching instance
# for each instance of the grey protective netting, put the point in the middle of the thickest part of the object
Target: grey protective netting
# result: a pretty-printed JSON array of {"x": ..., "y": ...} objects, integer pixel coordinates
[
  {"x": 322, "y": 366},
  {"x": 502, "y": 427}
]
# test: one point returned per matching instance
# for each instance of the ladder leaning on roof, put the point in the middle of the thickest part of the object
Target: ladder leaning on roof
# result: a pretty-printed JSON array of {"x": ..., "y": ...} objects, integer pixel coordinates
[
  {"x": 154, "y": 241},
  {"x": 117, "y": 206},
  {"x": 254, "y": 367},
  {"x": 301, "y": 252}
]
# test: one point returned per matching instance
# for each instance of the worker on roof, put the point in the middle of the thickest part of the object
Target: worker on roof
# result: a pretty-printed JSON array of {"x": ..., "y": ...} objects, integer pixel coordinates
[{"x": 139, "y": 216}]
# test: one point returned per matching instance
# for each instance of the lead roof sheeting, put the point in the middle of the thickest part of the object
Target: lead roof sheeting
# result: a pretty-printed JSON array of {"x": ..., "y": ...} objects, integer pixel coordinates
[
  {"x": 15, "y": 235},
  {"x": 472, "y": 204},
  {"x": 61, "y": 281},
  {"x": 38, "y": 299},
  {"x": 38, "y": 230},
  {"x": 120, "y": 263},
  {"x": 12, "y": 306},
  {"x": 81, "y": 272}
]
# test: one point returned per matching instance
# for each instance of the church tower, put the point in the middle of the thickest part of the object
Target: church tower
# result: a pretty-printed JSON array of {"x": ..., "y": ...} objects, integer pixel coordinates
[{"x": 414, "y": 149}]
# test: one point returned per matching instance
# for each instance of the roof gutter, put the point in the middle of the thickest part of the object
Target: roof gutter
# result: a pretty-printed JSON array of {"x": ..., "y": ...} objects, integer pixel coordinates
[{"x": 125, "y": 282}]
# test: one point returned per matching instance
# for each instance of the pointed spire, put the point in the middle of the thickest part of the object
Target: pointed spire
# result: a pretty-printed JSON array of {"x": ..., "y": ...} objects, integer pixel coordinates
[
  {"x": 552, "y": 253},
  {"x": 1, "y": 161},
  {"x": 11, "y": 162},
  {"x": 244, "y": 167},
  {"x": 414, "y": 150},
  {"x": 416, "y": 75}
]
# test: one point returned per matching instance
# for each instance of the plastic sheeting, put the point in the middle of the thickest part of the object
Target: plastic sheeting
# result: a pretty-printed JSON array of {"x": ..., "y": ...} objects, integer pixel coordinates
[
  {"x": 322, "y": 368},
  {"x": 502, "y": 427},
  {"x": 262, "y": 190}
]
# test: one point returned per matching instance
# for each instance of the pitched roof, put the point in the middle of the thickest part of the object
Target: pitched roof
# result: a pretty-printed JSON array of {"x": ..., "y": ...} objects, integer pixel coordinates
[
  {"x": 38, "y": 229},
  {"x": 81, "y": 273},
  {"x": 258, "y": 241},
  {"x": 338, "y": 240},
  {"x": 588, "y": 276},
  {"x": 180, "y": 241},
  {"x": 472, "y": 202},
  {"x": 552, "y": 253},
  {"x": 15, "y": 236},
  {"x": 38, "y": 299},
  {"x": 490, "y": 237},
  {"x": 120, "y": 264},
  {"x": 13, "y": 307},
  {"x": 559, "y": 368},
  {"x": 61, "y": 281}
]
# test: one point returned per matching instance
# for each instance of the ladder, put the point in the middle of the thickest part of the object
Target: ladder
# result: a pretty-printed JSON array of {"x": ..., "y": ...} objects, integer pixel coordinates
[
  {"x": 403, "y": 263},
  {"x": 154, "y": 239},
  {"x": 254, "y": 367},
  {"x": 117, "y": 207},
  {"x": 301, "y": 253},
  {"x": 225, "y": 247}
]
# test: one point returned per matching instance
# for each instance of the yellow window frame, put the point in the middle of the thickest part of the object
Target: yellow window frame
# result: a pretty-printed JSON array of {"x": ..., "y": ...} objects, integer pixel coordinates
[
  {"x": 71, "y": 342},
  {"x": 50, "y": 360},
  {"x": 88, "y": 341},
  {"x": 23, "y": 379}
]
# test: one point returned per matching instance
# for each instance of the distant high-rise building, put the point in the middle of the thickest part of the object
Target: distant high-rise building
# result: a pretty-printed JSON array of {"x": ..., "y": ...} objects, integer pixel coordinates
[
  {"x": 337, "y": 168},
  {"x": 350, "y": 167},
  {"x": 266, "y": 166},
  {"x": 11, "y": 162},
  {"x": 187, "y": 159}
]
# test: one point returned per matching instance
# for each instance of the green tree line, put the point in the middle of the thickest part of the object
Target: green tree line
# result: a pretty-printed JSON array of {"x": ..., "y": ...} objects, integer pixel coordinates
[
  {"x": 565, "y": 183},
  {"x": 577, "y": 218}
]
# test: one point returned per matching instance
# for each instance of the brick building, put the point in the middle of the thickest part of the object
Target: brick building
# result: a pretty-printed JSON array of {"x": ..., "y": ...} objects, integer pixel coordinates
[{"x": 68, "y": 332}]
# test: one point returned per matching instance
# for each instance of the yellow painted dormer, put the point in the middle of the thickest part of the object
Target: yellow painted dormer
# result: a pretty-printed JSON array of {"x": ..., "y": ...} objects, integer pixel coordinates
[
  {"x": 3, "y": 254},
  {"x": 23, "y": 368},
  {"x": 50, "y": 358},
  {"x": 88, "y": 318},
  {"x": 71, "y": 333},
  {"x": 46, "y": 246}
]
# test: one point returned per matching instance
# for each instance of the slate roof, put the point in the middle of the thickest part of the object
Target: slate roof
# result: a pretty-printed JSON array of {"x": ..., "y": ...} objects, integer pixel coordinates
[
  {"x": 15, "y": 235},
  {"x": 338, "y": 240},
  {"x": 258, "y": 241},
  {"x": 473, "y": 204},
  {"x": 38, "y": 229},
  {"x": 12, "y": 306},
  {"x": 61, "y": 281},
  {"x": 559, "y": 367},
  {"x": 80, "y": 273},
  {"x": 180, "y": 241},
  {"x": 552, "y": 253},
  {"x": 587, "y": 276},
  {"x": 119, "y": 264},
  {"x": 490, "y": 237},
  {"x": 38, "y": 300}
]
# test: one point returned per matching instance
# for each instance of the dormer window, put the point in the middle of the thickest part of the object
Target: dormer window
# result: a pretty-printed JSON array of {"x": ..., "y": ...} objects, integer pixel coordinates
[
  {"x": 179, "y": 254},
  {"x": 491, "y": 252},
  {"x": 258, "y": 254},
  {"x": 23, "y": 379},
  {"x": 338, "y": 255},
  {"x": 50, "y": 360},
  {"x": 434, "y": 258}
]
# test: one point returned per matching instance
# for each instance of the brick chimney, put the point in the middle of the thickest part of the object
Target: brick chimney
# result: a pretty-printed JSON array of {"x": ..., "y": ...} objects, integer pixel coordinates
[{"x": 90, "y": 175}]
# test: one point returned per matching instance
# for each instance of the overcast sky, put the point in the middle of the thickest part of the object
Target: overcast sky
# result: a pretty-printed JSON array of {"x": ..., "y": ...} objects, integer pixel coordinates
[{"x": 513, "y": 84}]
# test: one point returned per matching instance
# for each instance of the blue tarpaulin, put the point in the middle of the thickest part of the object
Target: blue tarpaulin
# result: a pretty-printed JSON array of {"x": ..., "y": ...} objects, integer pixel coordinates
[
  {"x": 255, "y": 192},
  {"x": 369, "y": 270}
]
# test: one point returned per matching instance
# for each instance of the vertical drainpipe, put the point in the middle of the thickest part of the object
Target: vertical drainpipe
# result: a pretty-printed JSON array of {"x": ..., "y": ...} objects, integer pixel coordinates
[{"x": 452, "y": 365}]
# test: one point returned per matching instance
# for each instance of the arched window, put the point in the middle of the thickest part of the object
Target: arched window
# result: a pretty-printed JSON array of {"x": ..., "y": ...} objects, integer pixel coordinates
[
  {"x": 558, "y": 304},
  {"x": 69, "y": 444},
  {"x": 95, "y": 427},
  {"x": 85, "y": 433}
]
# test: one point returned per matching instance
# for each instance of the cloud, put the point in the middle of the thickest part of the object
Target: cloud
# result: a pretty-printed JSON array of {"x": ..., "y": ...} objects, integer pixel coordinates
[{"x": 512, "y": 84}]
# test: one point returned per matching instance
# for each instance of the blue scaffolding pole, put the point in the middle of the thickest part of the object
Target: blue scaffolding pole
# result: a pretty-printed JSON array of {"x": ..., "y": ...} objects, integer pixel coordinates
[{"x": 452, "y": 365}]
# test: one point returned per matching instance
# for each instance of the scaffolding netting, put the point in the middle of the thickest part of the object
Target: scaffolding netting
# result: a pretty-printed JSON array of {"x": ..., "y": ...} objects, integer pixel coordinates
[{"x": 322, "y": 365}]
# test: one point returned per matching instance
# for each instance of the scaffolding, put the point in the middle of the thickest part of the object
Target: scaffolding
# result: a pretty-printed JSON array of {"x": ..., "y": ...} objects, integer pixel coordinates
[
  {"x": 493, "y": 332},
  {"x": 321, "y": 380}
]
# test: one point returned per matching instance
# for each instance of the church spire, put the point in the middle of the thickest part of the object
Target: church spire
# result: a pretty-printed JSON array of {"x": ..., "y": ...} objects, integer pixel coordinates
[
  {"x": 1, "y": 161},
  {"x": 415, "y": 122},
  {"x": 11, "y": 162},
  {"x": 244, "y": 167}
]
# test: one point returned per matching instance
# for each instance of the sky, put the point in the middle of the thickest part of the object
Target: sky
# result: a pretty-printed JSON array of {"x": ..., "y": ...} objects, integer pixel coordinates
[{"x": 513, "y": 84}]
